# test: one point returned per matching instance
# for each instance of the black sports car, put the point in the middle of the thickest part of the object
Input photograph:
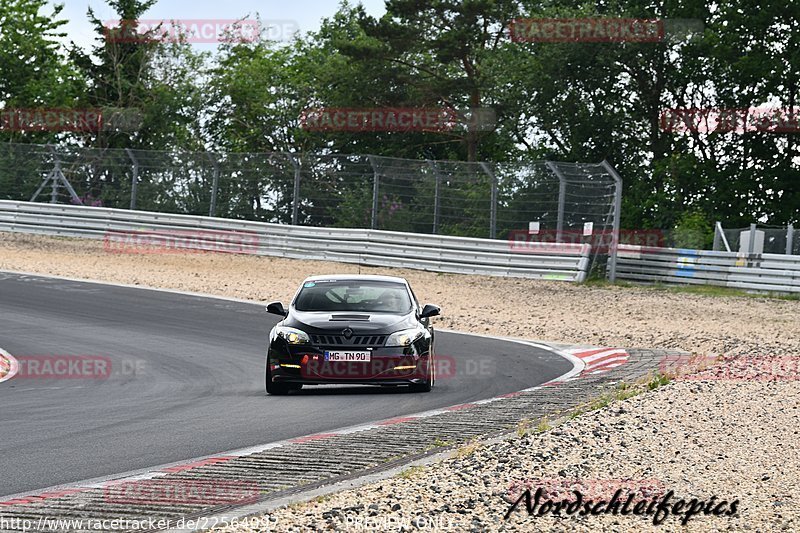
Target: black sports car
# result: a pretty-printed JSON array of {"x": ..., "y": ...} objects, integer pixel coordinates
[{"x": 354, "y": 330}]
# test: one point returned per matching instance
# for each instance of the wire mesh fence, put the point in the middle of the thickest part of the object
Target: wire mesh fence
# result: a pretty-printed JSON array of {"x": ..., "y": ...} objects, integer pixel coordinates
[
  {"x": 767, "y": 239},
  {"x": 446, "y": 197},
  {"x": 543, "y": 200}
]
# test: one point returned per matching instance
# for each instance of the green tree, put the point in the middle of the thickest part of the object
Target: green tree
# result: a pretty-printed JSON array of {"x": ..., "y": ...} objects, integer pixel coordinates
[
  {"x": 438, "y": 52},
  {"x": 35, "y": 71},
  {"x": 145, "y": 76},
  {"x": 150, "y": 92},
  {"x": 751, "y": 60}
]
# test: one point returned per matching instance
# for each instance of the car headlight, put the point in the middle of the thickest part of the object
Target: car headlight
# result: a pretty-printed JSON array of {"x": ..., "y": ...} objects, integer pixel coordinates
[
  {"x": 292, "y": 335},
  {"x": 404, "y": 337}
]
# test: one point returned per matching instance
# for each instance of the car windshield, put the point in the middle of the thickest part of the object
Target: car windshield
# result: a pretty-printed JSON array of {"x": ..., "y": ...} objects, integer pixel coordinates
[{"x": 354, "y": 296}]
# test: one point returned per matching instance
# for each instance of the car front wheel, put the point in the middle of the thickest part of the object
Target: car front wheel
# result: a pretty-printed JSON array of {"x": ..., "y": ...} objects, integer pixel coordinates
[
  {"x": 427, "y": 385},
  {"x": 279, "y": 389}
]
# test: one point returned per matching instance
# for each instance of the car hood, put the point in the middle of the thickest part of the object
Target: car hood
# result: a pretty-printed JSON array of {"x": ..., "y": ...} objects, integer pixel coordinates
[{"x": 318, "y": 322}]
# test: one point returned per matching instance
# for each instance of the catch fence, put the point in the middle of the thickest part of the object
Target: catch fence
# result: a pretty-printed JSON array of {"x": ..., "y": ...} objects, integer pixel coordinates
[{"x": 546, "y": 200}]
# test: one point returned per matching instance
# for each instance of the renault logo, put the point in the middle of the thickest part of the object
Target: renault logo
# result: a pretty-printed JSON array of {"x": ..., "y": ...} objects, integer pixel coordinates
[{"x": 347, "y": 332}]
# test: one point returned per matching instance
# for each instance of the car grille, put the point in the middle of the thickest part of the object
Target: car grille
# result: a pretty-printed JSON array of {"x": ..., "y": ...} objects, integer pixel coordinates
[{"x": 356, "y": 340}]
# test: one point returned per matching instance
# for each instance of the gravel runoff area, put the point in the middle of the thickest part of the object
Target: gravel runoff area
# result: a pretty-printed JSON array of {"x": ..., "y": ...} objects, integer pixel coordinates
[{"x": 732, "y": 435}]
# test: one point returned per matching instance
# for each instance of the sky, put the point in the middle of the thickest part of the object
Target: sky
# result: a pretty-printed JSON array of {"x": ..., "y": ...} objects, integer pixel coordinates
[{"x": 303, "y": 14}]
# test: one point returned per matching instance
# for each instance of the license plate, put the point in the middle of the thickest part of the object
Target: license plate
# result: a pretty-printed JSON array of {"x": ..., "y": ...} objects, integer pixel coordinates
[{"x": 347, "y": 356}]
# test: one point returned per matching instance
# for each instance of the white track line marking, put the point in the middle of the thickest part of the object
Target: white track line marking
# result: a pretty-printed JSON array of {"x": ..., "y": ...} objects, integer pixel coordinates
[
  {"x": 11, "y": 366},
  {"x": 578, "y": 366}
]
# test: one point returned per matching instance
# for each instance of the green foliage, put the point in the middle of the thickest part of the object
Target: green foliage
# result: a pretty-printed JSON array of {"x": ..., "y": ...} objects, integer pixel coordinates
[
  {"x": 34, "y": 70},
  {"x": 155, "y": 79},
  {"x": 434, "y": 53},
  {"x": 693, "y": 231},
  {"x": 543, "y": 425},
  {"x": 411, "y": 472}
]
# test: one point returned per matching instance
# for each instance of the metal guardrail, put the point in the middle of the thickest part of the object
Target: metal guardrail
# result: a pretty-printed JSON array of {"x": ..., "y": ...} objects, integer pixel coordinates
[
  {"x": 125, "y": 230},
  {"x": 758, "y": 272}
]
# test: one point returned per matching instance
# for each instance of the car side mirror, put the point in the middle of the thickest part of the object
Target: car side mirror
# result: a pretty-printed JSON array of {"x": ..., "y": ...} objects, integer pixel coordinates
[
  {"x": 430, "y": 310},
  {"x": 276, "y": 308}
]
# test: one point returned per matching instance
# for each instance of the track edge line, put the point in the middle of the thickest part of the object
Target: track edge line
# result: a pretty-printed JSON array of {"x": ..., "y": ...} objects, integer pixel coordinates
[{"x": 13, "y": 365}]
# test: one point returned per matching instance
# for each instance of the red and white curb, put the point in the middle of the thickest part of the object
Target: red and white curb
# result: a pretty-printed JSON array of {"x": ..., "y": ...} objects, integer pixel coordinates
[
  {"x": 584, "y": 360},
  {"x": 163, "y": 470},
  {"x": 578, "y": 358},
  {"x": 8, "y": 366},
  {"x": 599, "y": 360}
]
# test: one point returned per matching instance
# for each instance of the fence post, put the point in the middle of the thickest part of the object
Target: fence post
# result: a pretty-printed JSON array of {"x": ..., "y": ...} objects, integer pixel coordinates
[
  {"x": 789, "y": 239},
  {"x": 436, "y": 196},
  {"x": 375, "y": 192},
  {"x": 296, "y": 189},
  {"x": 134, "y": 179},
  {"x": 562, "y": 198},
  {"x": 752, "y": 244},
  {"x": 718, "y": 228},
  {"x": 717, "y": 239},
  {"x": 54, "y": 189},
  {"x": 612, "y": 258},
  {"x": 212, "y": 209},
  {"x": 54, "y": 173},
  {"x": 493, "y": 207}
]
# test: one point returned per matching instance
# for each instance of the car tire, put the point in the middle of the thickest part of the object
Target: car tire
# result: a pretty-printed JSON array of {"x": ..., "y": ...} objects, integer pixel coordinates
[
  {"x": 427, "y": 385},
  {"x": 276, "y": 389}
]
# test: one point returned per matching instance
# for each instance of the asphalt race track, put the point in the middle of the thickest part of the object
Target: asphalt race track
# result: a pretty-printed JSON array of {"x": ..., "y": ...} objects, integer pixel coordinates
[{"x": 186, "y": 380}]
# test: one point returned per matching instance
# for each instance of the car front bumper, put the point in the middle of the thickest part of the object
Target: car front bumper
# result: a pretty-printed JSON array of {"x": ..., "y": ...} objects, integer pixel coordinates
[{"x": 387, "y": 366}]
